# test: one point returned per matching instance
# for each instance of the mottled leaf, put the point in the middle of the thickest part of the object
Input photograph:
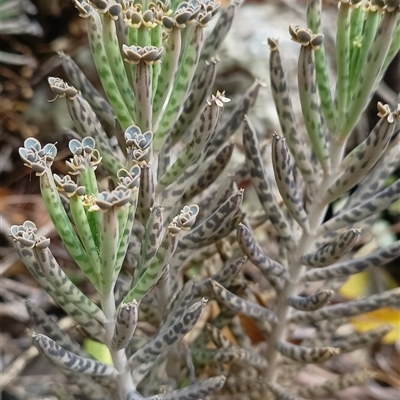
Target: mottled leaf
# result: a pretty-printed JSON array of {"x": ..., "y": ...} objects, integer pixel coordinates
[
  {"x": 64, "y": 358},
  {"x": 233, "y": 302},
  {"x": 306, "y": 354},
  {"x": 311, "y": 303}
]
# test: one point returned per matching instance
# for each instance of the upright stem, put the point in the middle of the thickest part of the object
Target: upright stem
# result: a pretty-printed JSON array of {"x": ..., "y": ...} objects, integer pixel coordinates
[
  {"x": 119, "y": 358},
  {"x": 296, "y": 270}
]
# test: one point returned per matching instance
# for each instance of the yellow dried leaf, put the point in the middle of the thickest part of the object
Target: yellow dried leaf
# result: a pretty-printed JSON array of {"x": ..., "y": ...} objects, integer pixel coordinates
[{"x": 374, "y": 319}]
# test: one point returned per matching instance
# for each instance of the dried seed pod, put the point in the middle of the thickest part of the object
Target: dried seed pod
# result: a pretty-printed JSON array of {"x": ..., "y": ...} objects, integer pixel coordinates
[{"x": 306, "y": 354}]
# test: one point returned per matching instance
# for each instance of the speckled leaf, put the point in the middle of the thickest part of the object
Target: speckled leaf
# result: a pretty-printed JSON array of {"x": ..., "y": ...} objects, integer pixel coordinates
[
  {"x": 87, "y": 322},
  {"x": 144, "y": 358},
  {"x": 333, "y": 385},
  {"x": 193, "y": 103},
  {"x": 213, "y": 169},
  {"x": 365, "y": 155},
  {"x": 125, "y": 325},
  {"x": 281, "y": 393},
  {"x": 87, "y": 124},
  {"x": 333, "y": 251},
  {"x": 314, "y": 10},
  {"x": 146, "y": 193},
  {"x": 114, "y": 57},
  {"x": 77, "y": 78},
  {"x": 359, "y": 340},
  {"x": 233, "y": 302},
  {"x": 213, "y": 224},
  {"x": 64, "y": 358},
  {"x": 219, "y": 356},
  {"x": 168, "y": 73},
  {"x": 350, "y": 308},
  {"x": 215, "y": 196},
  {"x": 306, "y": 354},
  {"x": 95, "y": 28},
  {"x": 377, "y": 177},
  {"x": 164, "y": 253},
  {"x": 150, "y": 242},
  {"x": 226, "y": 229},
  {"x": 218, "y": 338},
  {"x": 369, "y": 72},
  {"x": 125, "y": 229},
  {"x": 164, "y": 157},
  {"x": 310, "y": 303},
  {"x": 283, "y": 169},
  {"x": 343, "y": 59},
  {"x": 287, "y": 119},
  {"x": 215, "y": 38},
  {"x": 262, "y": 186},
  {"x": 58, "y": 278},
  {"x": 249, "y": 247},
  {"x": 224, "y": 276},
  {"x": 84, "y": 223},
  {"x": 202, "y": 389},
  {"x": 204, "y": 128},
  {"x": 47, "y": 325},
  {"x": 91, "y": 387},
  {"x": 310, "y": 105},
  {"x": 179, "y": 303},
  {"x": 64, "y": 227},
  {"x": 377, "y": 259},
  {"x": 373, "y": 205},
  {"x": 184, "y": 76},
  {"x": 59, "y": 391}
]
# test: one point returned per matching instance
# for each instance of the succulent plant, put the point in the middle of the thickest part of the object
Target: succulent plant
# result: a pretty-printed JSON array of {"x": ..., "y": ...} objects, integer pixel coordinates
[{"x": 169, "y": 210}]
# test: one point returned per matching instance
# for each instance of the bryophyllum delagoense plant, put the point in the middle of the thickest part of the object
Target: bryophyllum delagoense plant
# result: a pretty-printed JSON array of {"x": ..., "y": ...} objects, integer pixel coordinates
[{"x": 161, "y": 216}]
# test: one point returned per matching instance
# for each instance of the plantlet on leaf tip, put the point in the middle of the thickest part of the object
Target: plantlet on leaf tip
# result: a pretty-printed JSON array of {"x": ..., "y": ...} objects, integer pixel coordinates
[{"x": 168, "y": 227}]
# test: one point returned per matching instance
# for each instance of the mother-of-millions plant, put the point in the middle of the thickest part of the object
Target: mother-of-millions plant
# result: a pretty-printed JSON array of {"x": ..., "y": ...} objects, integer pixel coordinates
[{"x": 159, "y": 216}]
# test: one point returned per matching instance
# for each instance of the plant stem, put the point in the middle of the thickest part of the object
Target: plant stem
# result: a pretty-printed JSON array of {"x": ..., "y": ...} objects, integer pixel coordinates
[
  {"x": 296, "y": 270},
  {"x": 119, "y": 358}
]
